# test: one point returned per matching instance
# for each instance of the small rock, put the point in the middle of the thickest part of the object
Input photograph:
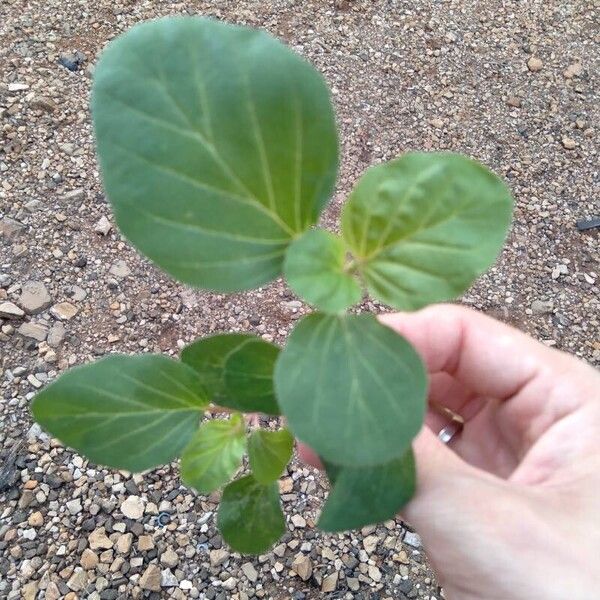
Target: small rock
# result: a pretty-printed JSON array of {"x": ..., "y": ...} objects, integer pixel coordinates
[
  {"x": 74, "y": 506},
  {"x": 133, "y": 507},
  {"x": 250, "y": 572},
  {"x": 78, "y": 581},
  {"x": 43, "y": 103},
  {"x": 35, "y": 519},
  {"x": 329, "y": 583},
  {"x": 103, "y": 226},
  {"x": 98, "y": 540},
  {"x": 120, "y": 269},
  {"x": 374, "y": 573},
  {"x": 52, "y": 591},
  {"x": 34, "y": 297},
  {"x": 167, "y": 579},
  {"x": 218, "y": 557},
  {"x": 74, "y": 195},
  {"x": 535, "y": 64},
  {"x": 151, "y": 578},
  {"x": 29, "y": 590},
  {"x": 56, "y": 335},
  {"x": 64, "y": 311},
  {"x": 230, "y": 584},
  {"x": 123, "y": 544},
  {"x": 10, "y": 229},
  {"x": 514, "y": 101},
  {"x": 33, "y": 331},
  {"x": 542, "y": 307},
  {"x": 437, "y": 123},
  {"x": 573, "y": 70},
  {"x": 88, "y": 560},
  {"x": 302, "y": 566},
  {"x": 17, "y": 87},
  {"x": 169, "y": 558},
  {"x": 298, "y": 521},
  {"x": 145, "y": 543},
  {"x": 412, "y": 539},
  {"x": 72, "y": 60},
  {"x": 8, "y": 310},
  {"x": 77, "y": 293},
  {"x": 568, "y": 143},
  {"x": 370, "y": 543}
]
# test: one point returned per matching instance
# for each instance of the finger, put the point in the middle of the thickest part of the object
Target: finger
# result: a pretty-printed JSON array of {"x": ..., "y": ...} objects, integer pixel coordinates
[
  {"x": 308, "y": 456},
  {"x": 489, "y": 357}
]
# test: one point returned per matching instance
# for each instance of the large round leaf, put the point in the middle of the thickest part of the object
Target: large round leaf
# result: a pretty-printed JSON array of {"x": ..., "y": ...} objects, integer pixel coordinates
[
  {"x": 351, "y": 388},
  {"x": 214, "y": 455},
  {"x": 250, "y": 516},
  {"x": 424, "y": 226},
  {"x": 126, "y": 412},
  {"x": 366, "y": 495},
  {"x": 316, "y": 269},
  {"x": 217, "y": 145}
]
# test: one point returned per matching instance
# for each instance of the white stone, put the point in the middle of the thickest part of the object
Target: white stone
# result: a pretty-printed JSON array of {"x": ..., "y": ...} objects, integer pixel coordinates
[{"x": 133, "y": 507}]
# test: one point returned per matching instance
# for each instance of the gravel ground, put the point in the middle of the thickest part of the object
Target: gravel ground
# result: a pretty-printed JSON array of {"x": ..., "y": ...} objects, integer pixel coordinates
[{"x": 511, "y": 83}]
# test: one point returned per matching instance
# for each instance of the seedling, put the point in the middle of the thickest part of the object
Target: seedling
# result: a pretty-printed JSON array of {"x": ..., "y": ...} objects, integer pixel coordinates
[{"x": 218, "y": 149}]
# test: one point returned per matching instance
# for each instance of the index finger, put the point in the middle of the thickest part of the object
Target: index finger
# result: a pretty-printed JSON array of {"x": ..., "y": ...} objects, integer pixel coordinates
[{"x": 489, "y": 357}]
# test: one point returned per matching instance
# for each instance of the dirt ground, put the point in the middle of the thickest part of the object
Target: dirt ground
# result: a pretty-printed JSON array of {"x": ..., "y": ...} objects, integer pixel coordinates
[{"x": 511, "y": 83}]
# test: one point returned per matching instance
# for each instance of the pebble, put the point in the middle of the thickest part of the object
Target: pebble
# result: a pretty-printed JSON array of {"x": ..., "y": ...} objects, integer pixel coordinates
[
  {"x": 542, "y": 307},
  {"x": 535, "y": 64},
  {"x": 218, "y": 557},
  {"x": 64, "y": 311},
  {"x": 103, "y": 226},
  {"x": 167, "y": 579},
  {"x": 8, "y": 310},
  {"x": 250, "y": 572},
  {"x": 34, "y": 331},
  {"x": 98, "y": 540},
  {"x": 298, "y": 521},
  {"x": 151, "y": 578},
  {"x": 88, "y": 560},
  {"x": 35, "y": 519},
  {"x": 374, "y": 573},
  {"x": 34, "y": 297},
  {"x": 169, "y": 558},
  {"x": 573, "y": 70},
  {"x": 568, "y": 143},
  {"x": 302, "y": 566},
  {"x": 120, "y": 269},
  {"x": 56, "y": 335},
  {"x": 133, "y": 507},
  {"x": 329, "y": 583},
  {"x": 145, "y": 543},
  {"x": 123, "y": 543},
  {"x": 412, "y": 539},
  {"x": 74, "y": 506}
]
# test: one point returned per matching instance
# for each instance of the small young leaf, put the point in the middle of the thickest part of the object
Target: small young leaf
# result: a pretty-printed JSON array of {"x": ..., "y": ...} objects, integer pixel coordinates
[
  {"x": 208, "y": 357},
  {"x": 424, "y": 226},
  {"x": 217, "y": 145},
  {"x": 315, "y": 269},
  {"x": 250, "y": 518},
  {"x": 351, "y": 388},
  {"x": 214, "y": 454},
  {"x": 126, "y": 412},
  {"x": 269, "y": 452},
  {"x": 362, "y": 496},
  {"x": 248, "y": 377},
  {"x": 237, "y": 370}
]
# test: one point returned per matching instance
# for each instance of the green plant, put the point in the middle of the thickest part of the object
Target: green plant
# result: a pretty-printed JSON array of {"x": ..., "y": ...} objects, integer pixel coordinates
[{"x": 218, "y": 148}]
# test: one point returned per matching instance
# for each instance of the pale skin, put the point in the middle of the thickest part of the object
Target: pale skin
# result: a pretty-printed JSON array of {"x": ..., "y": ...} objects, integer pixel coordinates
[{"x": 510, "y": 508}]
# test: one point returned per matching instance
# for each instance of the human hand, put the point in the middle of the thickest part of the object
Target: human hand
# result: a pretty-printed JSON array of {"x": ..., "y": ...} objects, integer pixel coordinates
[{"x": 510, "y": 508}]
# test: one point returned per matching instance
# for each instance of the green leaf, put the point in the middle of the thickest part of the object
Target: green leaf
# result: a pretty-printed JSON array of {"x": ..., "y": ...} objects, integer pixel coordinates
[
  {"x": 315, "y": 268},
  {"x": 250, "y": 518},
  {"x": 424, "y": 226},
  {"x": 214, "y": 454},
  {"x": 126, "y": 412},
  {"x": 269, "y": 453},
  {"x": 237, "y": 370},
  {"x": 217, "y": 145},
  {"x": 351, "y": 388},
  {"x": 208, "y": 357},
  {"x": 367, "y": 495},
  {"x": 248, "y": 378}
]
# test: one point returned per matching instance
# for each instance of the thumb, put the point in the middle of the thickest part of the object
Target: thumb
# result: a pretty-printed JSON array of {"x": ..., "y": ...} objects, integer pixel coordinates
[{"x": 437, "y": 469}]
